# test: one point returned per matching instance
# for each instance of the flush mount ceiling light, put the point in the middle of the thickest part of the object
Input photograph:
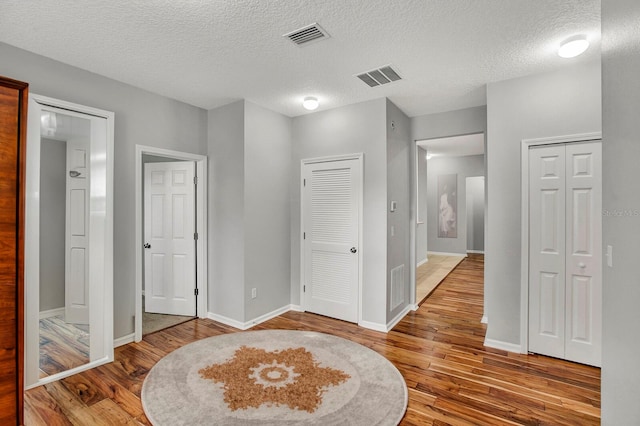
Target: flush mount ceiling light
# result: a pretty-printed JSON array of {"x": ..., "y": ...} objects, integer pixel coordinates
[
  {"x": 573, "y": 46},
  {"x": 310, "y": 103}
]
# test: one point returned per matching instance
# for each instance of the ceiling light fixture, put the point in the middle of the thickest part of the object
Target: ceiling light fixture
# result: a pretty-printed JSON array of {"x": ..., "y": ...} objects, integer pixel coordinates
[
  {"x": 310, "y": 103},
  {"x": 573, "y": 46}
]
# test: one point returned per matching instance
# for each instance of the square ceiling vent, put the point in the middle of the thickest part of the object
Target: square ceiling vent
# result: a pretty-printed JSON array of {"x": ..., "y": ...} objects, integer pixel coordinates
[
  {"x": 379, "y": 76},
  {"x": 306, "y": 35}
]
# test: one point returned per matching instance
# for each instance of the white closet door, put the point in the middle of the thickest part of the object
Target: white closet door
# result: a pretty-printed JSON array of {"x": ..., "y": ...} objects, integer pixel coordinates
[
  {"x": 584, "y": 253},
  {"x": 547, "y": 250},
  {"x": 330, "y": 203},
  {"x": 565, "y": 262}
]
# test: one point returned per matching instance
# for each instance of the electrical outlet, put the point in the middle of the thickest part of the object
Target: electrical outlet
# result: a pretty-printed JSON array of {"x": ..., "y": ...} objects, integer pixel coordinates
[{"x": 254, "y": 293}]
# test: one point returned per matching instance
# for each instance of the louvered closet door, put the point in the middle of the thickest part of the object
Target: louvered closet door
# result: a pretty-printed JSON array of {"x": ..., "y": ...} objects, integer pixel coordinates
[
  {"x": 330, "y": 203},
  {"x": 565, "y": 265}
]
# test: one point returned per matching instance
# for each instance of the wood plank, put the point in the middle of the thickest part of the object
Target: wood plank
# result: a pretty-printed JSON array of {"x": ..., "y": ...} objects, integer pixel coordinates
[{"x": 452, "y": 378}]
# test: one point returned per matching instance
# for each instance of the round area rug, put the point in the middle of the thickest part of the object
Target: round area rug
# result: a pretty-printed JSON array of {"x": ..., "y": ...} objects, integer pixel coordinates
[{"x": 274, "y": 377}]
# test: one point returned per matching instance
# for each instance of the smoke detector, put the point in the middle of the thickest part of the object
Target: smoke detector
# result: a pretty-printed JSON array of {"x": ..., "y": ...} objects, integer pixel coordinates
[
  {"x": 379, "y": 76},
  {"x": 308, "y": 34}
]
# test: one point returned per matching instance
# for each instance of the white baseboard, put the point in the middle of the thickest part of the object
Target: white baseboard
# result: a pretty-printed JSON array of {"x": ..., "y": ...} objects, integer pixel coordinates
[
  {"x": 505, "y": 346},
  {"x": 121, "y": 341},
  {"x": 485, "y": 319},
  {"x": 442, "y": 253},
  {"x": 399, "y": 317},
  {"x": 52, "y": 313},
  {"x": 414, "y": 307},
  {"x": 476, "y": 251},
  {"x": 248, "y": 324},
  {"x": 296, "y": 308},
  {"x": 373, "y": 326},
  {"x": 422, "y": 262}
]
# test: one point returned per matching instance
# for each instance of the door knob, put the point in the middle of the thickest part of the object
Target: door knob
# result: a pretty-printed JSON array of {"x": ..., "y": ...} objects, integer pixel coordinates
[
  {"x": 353, "y": 250},
  {"x": 147, "y": 245}
]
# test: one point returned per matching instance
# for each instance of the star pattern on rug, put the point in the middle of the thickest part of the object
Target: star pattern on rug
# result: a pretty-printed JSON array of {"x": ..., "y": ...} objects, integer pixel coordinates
[{"x": 288, "y": 377}]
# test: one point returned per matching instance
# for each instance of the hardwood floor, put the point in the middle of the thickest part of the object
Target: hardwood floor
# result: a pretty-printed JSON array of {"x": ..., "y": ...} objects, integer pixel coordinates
[
  {"x": 452, "y": 378},
  {"x": 430, "y": 274},
  {"x": 63, "y": 346}
]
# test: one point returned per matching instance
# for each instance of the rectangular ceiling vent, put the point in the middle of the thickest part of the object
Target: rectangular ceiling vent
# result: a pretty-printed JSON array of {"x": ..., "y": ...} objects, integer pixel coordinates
[
  {"x": 306, "y": 35},
  {"x": 380, "y": 76}
]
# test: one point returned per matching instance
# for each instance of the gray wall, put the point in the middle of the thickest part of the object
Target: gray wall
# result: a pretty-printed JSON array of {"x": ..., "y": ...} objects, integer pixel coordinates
[
  {"x": 226, "y": 211},
  {"x": 53, "y": 184},
  {"x": 475, "y": 213},
  {"x": 421, "y": 213},
  {"x": 563, "y": 102},
  {"x": 141, "y": 117},
  {"x": 467, "y": 166},
  {"x": 621, "y": 192},
  {"x": 267, "y": 176},
  {"x": 398, "y": 172},
  {"x": 346, "y": 130},
  {"x": 249, "y": 241}
]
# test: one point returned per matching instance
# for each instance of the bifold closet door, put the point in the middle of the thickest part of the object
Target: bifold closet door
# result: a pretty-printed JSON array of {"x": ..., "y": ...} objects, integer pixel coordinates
[{"x": 565, "y": 276}]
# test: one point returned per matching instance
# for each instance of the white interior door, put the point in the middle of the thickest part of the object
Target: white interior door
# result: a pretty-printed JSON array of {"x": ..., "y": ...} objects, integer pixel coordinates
[
  {"x": 169, "y": 235},
  {"x": 77, "y": 233},
  {"x": 547, "y": 250},
  {"x": 584, "y": 253},
  {"x": 565, "y": 276},
  {"x": 332, "y": 193}
]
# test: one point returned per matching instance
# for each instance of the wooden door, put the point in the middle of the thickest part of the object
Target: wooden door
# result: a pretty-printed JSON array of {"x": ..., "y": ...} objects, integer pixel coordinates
[
  {"x": 331, "y": 215},
  {"x": 169, "y": 234},
  {"x": 13, "y": 119}
]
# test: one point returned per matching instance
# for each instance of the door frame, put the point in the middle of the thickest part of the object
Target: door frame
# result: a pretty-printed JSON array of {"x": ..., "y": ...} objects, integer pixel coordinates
[
  {"x": 102, "y": 342},
  {"x": 524, "y": 209},
  {"x": 201, "y": 226},
  {"x": 304, "y": 162}
]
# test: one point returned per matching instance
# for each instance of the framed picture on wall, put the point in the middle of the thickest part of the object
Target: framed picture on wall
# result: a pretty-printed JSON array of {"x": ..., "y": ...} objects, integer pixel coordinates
[{"x": 448, "y": 206}]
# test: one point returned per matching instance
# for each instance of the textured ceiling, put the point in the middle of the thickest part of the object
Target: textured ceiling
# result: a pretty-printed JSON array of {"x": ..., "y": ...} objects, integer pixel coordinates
[{"x": 211, "y": 52}]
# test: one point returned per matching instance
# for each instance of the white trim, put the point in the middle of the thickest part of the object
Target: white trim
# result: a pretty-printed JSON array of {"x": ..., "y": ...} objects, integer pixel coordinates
[
  {"x": 52, "y": 313},
  {"x": 505, "y": 346},
  {"x": 297, "y": 308},
  {"x": 422, "y": 262},
  {"x": 360, "y": 158},
  {"x": 373, "y": 326},
  {"x": 414, "y": 307},
  {"x": 442, "y": 253},
  {"x": 201, "y": 223},
  {"x": 249, "y": 324},
  {"x": 121, "y": 341},
  {"x": 524, "y": 208},
  {"x": 101, "y": 246},
  {"x": 399, "y": 317},
  {"x": 485, "y": 319},
  {"x": 71, "y": 372},
  {"x": 475, "y": 251}
]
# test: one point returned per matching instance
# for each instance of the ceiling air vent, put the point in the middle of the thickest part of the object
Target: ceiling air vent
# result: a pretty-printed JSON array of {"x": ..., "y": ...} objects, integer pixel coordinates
[
  {"x": 379, "y": 76},
  {"x": 306, "y": 35}
]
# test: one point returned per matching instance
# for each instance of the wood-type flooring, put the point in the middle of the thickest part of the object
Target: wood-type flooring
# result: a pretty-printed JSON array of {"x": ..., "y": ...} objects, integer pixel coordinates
[{"x": 452, "y": 378}]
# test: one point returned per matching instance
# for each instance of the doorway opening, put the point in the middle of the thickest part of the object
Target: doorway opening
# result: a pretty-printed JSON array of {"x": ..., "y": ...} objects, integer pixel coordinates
[
  {"x": 171, "y": 236},
  {"x": 449, "y": 206}
]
